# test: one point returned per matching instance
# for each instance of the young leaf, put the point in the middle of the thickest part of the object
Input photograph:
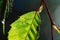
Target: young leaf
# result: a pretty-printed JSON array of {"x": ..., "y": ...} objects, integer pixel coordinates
[{"x": 25, "y": 27}]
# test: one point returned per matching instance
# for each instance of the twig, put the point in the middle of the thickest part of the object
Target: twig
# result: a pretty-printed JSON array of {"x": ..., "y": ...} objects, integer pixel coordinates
[
  {"x": 51, "y": 19},
  {"x": 49, "y": 14}
]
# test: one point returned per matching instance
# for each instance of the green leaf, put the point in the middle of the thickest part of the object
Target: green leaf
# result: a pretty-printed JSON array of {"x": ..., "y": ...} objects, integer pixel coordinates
[{"x": 25, "y": 28}]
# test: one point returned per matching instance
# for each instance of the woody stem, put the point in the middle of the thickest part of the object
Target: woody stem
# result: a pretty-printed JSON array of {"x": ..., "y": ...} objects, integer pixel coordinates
[{"x": 49, "y": 14}]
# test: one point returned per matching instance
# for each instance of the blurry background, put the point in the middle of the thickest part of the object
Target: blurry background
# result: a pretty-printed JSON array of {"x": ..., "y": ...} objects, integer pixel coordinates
[
  {"x": 1, "y": 1},
  {"x": 54, "y": 6},
  {"x": 21, "y": 6}
]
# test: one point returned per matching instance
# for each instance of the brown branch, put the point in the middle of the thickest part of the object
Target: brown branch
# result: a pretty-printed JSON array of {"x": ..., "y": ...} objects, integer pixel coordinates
[
  {"x": 49, "y": 13},
  {"x": 57, "y": 27},
  {"x": 50, "y": 17},
  {"x": 39, "y": 9}
]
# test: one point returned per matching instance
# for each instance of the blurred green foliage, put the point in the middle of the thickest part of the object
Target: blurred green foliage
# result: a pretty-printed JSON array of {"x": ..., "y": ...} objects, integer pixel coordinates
[{"x": 1, "y": 3}]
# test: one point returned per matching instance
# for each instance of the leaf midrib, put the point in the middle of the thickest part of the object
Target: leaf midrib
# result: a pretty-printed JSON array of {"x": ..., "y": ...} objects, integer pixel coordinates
[{"x": 30, "y": 25}]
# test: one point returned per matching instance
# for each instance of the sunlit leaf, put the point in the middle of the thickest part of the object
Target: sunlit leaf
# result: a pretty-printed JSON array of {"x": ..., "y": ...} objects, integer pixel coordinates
[{"x": 25, "y": 27}]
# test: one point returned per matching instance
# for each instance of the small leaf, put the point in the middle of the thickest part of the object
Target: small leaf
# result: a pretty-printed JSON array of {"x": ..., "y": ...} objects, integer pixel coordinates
[{"x": 25, "y": 27}]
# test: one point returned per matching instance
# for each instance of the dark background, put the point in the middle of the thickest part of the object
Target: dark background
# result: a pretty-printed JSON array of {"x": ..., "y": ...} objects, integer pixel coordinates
[
  {"x": 19, "y": 8},
  {"x": 22, "y": 6}
]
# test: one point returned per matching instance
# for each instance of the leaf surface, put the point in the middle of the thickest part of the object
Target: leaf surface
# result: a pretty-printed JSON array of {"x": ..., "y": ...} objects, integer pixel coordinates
[{"x": 25, "y": 27}]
